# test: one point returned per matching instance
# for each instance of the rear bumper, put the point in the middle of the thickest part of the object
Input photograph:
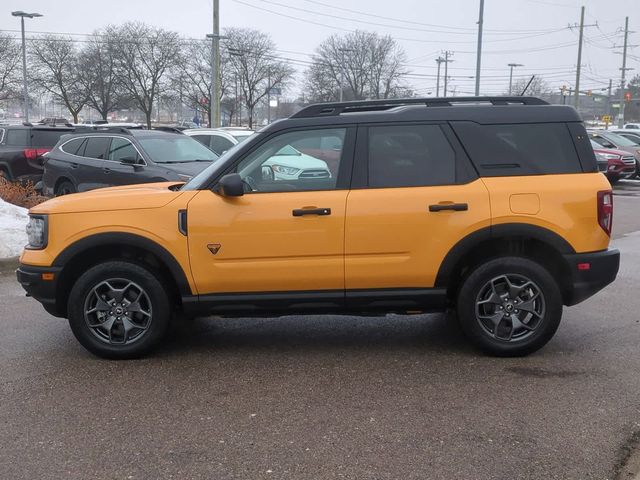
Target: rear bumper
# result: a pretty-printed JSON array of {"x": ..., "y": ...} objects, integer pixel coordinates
[
  {"x": 44, "y": 291},
  {"x": 585, "y": 282}
]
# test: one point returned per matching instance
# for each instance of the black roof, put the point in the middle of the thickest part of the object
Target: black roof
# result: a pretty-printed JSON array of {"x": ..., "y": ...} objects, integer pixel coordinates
[{"x": 483, "y": 110}]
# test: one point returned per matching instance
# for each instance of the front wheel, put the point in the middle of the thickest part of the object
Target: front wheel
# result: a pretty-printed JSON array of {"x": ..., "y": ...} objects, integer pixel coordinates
[
  {"x": 118, "y": 310},
  {"x": 509, "y": 306}
]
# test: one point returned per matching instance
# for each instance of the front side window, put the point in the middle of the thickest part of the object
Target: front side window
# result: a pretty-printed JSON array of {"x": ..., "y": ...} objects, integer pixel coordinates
[
  {"x": 219, "y": 144},
  {"x": 410, "y": 156},
  {"x": 122, "y": 148},
  {"x": 294, "y": 161}
]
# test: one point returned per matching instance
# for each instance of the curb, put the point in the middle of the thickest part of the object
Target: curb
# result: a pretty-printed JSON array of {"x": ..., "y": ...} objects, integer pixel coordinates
[{"x": 8, "y": 265}]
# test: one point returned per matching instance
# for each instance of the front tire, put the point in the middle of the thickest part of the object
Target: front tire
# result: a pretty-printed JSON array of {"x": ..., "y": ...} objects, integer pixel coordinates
[
  {"x": 119, "y": 310},
  {"x": 509, "y": 306},
  {"x": 65, "y": 188}
]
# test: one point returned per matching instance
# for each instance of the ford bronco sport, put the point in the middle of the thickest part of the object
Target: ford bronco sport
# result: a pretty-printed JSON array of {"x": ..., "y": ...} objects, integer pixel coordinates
[{"x": 492, "y": 206}]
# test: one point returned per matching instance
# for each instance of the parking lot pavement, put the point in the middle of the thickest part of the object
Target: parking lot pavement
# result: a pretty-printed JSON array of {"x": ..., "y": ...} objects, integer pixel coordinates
[{"x": 326, "y": 397}]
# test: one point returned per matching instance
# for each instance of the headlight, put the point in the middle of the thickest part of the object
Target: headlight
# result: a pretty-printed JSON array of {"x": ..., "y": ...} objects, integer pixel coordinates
[
  {"x": 37, "y": 232},
  {"x": 285, "y": 170}
]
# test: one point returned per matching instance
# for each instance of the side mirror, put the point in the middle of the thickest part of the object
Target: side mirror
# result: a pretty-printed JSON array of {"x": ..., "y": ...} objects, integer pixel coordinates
[
  {"x": 230, "y": 185},
  {"x": 267, "y": 173},
  {"x": 132, "y": 162}
]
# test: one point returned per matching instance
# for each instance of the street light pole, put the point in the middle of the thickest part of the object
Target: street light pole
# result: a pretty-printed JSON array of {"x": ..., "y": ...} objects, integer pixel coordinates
[
  {"x": 25, "y": 90},
  {"x": 511, "y": 67}
]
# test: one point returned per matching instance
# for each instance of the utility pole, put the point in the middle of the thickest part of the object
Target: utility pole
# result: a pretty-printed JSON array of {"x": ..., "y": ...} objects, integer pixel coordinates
[
  {"x": 624, "y": 71},
  {"x": 268, "y": 95},
  {"x": 511, "y": 67},
  {"x": 447, "y": 54},
  {"x": 342, "y": 75},
  {"x": 479, "y": 49},
  {"x": 439, "y": 60},
  {"x": 214, "y": 100},
  {"x": 577, "y": 90},
  {"x": 25, "y": 91}
]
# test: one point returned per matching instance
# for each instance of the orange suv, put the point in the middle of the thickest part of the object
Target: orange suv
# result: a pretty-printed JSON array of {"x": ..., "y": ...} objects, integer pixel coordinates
[{"x": 491, "y": 206}]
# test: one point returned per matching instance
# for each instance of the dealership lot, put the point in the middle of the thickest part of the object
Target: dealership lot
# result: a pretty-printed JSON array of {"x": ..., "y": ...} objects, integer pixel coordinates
[{"x": 326, "y": 397}]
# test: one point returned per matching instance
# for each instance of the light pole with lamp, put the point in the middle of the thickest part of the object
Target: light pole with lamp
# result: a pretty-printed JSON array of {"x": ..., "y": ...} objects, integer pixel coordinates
[
  {"x": 25, "y": 91},
  {"x": 511, "y": 67}
]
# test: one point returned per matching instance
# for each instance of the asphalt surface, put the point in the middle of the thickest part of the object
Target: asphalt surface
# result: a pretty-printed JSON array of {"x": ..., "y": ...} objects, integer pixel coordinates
[{"x": 397, "y": 397}]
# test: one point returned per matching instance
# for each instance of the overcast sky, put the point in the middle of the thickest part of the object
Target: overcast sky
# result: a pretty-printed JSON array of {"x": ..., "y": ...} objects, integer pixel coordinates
[{"x": 531, "y": 32}]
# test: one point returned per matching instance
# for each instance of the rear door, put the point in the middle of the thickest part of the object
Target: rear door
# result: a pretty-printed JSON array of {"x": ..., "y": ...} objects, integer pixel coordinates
[
  {"x": 90, "y": 172},
  {"x": 414, "y": 197}
]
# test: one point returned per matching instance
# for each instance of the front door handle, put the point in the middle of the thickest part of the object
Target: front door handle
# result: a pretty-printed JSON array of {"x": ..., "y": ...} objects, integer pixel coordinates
[
  {"x": 298, "y": 212},
  {"x": 106, "y": 170},
  {"x": 456, "y": 207}
]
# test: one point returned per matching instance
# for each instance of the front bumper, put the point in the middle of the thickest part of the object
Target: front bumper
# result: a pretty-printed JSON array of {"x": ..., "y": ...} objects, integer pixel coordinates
[
  {"x": 31, "y": 279},
  {"x": 590, "y": 273}
]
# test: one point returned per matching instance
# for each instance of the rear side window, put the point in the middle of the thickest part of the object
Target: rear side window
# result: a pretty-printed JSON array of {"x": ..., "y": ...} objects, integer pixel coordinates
[
  {"x": 46, "y": 138},
  {"x": 410, "y": 156},
  {"x": 73, "y": 146},
  {"x": 96, "y": 147},
  {"x": 519, "y": 149},
  {"x": 18, "y": 137}
]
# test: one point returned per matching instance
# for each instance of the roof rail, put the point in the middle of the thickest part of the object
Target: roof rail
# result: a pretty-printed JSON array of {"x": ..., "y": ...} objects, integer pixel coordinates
[
  {"x": 336, "y": 108},
  {"x": 106, "y": 128}
]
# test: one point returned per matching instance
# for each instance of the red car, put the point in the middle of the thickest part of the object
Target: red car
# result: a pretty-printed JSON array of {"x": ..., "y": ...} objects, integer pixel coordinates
[{"x": 615, "y": 164}]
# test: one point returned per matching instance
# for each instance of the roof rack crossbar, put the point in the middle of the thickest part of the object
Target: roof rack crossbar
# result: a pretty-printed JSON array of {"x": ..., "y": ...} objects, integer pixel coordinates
[{"x": 336, "y": 108}]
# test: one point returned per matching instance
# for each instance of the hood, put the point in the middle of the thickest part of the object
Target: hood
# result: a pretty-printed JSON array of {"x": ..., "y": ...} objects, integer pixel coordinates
[
  {"x": 615, "y": 151},
  {"x": 186, "y": 168},
  {"x": 128, "y": 197}
]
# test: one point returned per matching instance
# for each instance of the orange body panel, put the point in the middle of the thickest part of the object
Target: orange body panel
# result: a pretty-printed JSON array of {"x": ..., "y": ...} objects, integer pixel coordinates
[
  {"x": 567, "y": 205},
  {"x": 263, "y": 247},
  {"x": 393, "y": 240}
]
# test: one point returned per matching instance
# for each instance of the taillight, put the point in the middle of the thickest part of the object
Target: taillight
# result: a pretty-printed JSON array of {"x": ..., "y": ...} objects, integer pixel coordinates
[
  {"x": 605, "y": 210},
  {"x": 33, "y": 153}
]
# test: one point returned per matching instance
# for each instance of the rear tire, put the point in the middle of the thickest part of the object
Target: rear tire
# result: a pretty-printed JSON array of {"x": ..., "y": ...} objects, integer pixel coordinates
[
  {"x": 65, "y": 188},
  {"x": 119, "y": 310},
  {"x": 509, "y": 306}
]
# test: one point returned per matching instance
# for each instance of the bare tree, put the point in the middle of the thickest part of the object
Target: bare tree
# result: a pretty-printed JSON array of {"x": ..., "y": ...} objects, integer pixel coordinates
[
  {"x": 55, "y": 68},
  {"x": 194, "y": 75},
  {"x": 538, "y": 88},
  {"x": 362, "y": 64},
  {"x": 253, "y": 59},
  {"x": 9, "y": 67},
  {"x": 98, "y": 74},
  {"x": 144, "y": 55}
]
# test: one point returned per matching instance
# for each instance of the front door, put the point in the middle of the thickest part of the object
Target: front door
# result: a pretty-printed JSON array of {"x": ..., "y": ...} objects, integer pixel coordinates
[
  {"x": 417, "y": 200},
  {"x": 286, "y": 233},
  {"x": 124, "y": 163}
]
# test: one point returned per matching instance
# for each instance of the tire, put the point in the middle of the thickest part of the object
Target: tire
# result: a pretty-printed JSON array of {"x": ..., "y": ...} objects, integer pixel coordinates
[
  {"x": 65, "y": 188},
  {"x": 613, "y": 179},
  {"x": 112, "y": 328},
  {"x": 514, "y": 325}
]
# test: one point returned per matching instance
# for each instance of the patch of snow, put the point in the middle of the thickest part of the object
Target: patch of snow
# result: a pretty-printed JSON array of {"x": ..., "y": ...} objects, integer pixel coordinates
[{"x": 13, "y": 237}]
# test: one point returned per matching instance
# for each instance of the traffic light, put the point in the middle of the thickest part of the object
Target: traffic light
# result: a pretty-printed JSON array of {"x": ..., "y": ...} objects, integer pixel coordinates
[{"x": 627, "y": 97}]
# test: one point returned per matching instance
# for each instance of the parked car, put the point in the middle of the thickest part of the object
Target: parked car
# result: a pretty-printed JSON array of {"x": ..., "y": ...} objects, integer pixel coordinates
[
  {"x": 633, "y": 135},
  {"x": 22, "y": 148},
  {"x": 491, "y": 206},
  {"x": 217, "y": 139},
  {"x": 608, "y": 139},
  {"x": 119, "y": 156},
  {"x": 633, "y": 126},
  {"x": 54, "y": 121},
  {"x": 615, "y": 164}
]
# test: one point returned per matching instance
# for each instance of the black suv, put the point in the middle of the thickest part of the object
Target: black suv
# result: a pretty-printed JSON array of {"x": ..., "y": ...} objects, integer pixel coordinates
[
  {"x": 22, "y": 147},
  {"x": 119, "y": 156}
]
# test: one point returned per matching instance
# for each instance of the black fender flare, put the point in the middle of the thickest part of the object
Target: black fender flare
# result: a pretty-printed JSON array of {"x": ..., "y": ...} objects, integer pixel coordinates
[
  {"x": 496, "y": 232},
  {"x": 125, "y": 239}
]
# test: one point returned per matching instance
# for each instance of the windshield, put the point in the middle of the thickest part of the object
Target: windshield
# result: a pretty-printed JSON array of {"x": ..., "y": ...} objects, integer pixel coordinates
[
  {"x": 619, "y": 140},
  {"x": 176, "y": 149},
  {"x": 200, "y": 180}
]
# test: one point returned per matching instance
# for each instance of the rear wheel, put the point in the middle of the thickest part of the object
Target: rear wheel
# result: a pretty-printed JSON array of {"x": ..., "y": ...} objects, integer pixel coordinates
[
  {"x": 118, "y": 310},
  {"x": 509, "y": 306},
  {"x": 65, "y": 188}
]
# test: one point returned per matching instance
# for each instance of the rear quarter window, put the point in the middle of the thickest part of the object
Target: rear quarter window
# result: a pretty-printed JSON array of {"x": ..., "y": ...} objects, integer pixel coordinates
[
  {"x": 519, "y": 149},
  {"x": 18, "y": 137},
  {"x": 46, "y": 138}
]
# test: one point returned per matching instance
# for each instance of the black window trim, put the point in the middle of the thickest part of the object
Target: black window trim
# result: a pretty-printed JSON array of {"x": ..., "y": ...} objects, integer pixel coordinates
[
  {"x": 109, "y": 137},
  {"x": 465, "y": 172},
  {"x": 345, "y": 170}
]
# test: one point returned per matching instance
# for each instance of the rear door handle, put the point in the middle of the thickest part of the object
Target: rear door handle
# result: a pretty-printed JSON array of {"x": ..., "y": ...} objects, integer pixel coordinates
[
  {"x": 74, "y": 165},
  {"x": 311, "y": 211},
  {"x": 456, "y": 207}
]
